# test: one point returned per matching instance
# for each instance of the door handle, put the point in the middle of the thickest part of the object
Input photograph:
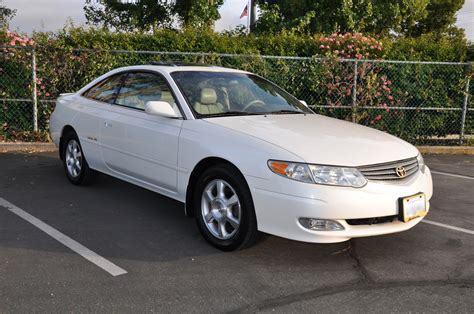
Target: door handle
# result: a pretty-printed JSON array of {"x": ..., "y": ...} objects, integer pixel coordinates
[{"x": 107, "y": 124}]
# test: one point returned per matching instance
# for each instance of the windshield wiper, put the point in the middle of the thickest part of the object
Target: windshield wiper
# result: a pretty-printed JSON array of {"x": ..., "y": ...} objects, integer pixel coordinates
[
  {"x": 230, "y": 113},
  {"x": 285, "y": 111}
]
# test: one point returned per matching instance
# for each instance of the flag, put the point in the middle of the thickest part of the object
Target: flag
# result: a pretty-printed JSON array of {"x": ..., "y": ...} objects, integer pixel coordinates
[{"x": 245, "y": 12}]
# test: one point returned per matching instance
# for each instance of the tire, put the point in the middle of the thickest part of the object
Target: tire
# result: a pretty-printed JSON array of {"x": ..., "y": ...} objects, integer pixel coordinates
[
  {"x": 224, "y": 209},
  {"x": 75, "y": 164}
]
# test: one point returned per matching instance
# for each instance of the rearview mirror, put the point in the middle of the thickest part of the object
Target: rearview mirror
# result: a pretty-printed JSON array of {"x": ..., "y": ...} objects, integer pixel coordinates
[
  {"x": 160, "y": 108},
  {"x": 304, "y": 103}
]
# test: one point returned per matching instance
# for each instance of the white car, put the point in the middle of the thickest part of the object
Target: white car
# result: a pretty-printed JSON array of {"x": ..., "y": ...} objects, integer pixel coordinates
[{"x": 242, "y": 155}]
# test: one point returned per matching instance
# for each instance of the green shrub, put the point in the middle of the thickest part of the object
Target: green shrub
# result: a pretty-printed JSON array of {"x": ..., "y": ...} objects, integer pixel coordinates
[
  {"x": 427, "y": 47},
  {"x": 61, "y": 67}
]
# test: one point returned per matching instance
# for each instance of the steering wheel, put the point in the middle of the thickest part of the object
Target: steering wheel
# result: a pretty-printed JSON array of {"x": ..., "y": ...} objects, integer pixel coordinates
[{"x": 256, "y": 102}]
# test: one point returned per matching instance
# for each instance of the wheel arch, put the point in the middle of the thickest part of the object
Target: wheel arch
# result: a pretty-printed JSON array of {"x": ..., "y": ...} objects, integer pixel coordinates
[
  {"x": 66, "y": 129},
  {"x": 200, "y": 167}
]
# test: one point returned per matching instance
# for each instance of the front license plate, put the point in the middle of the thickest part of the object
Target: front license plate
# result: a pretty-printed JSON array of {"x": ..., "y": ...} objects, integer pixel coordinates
[{"x": 412, "y": 207}]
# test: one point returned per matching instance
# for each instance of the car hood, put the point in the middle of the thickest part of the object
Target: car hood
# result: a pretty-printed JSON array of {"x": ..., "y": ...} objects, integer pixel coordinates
[{"x": 321, "y": 140}]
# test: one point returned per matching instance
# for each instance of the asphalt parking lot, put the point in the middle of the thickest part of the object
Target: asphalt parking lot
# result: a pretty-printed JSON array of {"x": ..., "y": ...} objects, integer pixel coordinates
[{"x": 168, "y": 267}]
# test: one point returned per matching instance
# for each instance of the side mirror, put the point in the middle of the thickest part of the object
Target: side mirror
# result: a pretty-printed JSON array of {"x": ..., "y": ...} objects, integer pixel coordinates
[
  {"x": 160, "y": 108},
  {"x": 304, "y": 103}
]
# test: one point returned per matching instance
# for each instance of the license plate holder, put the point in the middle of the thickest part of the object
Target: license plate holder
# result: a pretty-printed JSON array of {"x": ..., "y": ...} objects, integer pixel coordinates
[{"x": 412, "y": 207}]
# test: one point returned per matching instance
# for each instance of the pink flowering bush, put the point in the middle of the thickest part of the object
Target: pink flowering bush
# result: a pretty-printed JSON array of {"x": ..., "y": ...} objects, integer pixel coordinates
[
  {"x": 14, "y": 39},
  {"x": 350, "y": 46},
  {"x": 17, "y": 54},
  {"x": 16, "y": 118},
  {"x": 373, "y": 88},
  {"x": 16, "y": 67}
]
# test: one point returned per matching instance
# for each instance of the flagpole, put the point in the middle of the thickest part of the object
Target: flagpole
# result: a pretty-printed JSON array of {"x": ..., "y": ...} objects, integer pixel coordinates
[{"x": 248, "y": 17}]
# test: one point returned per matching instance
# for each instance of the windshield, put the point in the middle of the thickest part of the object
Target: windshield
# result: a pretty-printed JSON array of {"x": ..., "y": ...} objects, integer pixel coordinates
[{"x": 218, "y": 94}]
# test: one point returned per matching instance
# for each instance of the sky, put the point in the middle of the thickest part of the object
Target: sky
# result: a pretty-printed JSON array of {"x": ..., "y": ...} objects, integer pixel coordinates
[
  {"x": 465, "y": 19},
  {"x": 51, "y": 15}
]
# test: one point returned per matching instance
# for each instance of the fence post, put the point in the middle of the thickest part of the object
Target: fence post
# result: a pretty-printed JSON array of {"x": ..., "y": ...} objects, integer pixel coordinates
[
  {"x": 464, "y": 106},
  {"x": 354, "y": 93},
  {"x": 35, "y": 97}
]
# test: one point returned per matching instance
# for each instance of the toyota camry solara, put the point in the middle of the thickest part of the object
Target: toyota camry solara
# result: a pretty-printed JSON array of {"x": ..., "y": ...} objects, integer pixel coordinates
[{"x": 242, "y": 155}]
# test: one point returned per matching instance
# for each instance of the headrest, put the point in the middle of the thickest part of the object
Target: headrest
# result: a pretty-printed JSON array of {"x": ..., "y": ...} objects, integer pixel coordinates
[{"x": 208, "y": 96}]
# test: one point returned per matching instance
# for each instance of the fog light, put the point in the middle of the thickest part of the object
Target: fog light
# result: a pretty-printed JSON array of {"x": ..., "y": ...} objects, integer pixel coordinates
[{"x": 320, "y": 224}]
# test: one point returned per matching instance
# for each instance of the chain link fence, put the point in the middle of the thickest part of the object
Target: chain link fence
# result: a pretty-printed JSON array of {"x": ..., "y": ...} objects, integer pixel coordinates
[{"x": 426, "y": 103}]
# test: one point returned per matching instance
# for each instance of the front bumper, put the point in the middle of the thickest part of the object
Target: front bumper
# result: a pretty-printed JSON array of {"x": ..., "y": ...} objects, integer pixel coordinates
[{"x": 280, "y": 202}]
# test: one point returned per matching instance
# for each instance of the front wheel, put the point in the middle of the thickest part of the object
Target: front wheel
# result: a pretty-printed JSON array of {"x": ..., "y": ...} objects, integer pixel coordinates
[{"x": 224, "y": 208}]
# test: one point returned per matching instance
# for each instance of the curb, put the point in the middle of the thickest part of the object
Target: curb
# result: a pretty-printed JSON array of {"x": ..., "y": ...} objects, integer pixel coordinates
[
  {"x": 446, "y": 150},
  {"x": 34, "y": 147},
  {"x": 37, "y": 147}
]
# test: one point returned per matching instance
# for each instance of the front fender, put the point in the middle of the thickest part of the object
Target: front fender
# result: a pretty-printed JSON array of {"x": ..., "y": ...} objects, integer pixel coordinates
[{"x": 200, "y": 139}]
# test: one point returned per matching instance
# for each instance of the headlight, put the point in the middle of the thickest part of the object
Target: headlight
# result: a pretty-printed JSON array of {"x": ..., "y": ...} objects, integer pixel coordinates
[
  {"x": 291, "y": 170},
  {"x": 318, "y": 174},
  {"x": 421, "y": 162},
  {"x": 337, "y": 176}
]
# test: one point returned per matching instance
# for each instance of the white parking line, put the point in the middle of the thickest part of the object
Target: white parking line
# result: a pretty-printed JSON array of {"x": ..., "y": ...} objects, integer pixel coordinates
[
  {"x": 452, "y": 175},
  {"x": 447, "y": 226},
  {"x": 92, "y": 257}
]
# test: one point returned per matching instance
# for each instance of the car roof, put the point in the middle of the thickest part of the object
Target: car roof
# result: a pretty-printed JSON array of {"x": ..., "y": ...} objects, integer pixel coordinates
[
  {"x": 178, "y": 67},
  {"x": 161, "y": 69}
]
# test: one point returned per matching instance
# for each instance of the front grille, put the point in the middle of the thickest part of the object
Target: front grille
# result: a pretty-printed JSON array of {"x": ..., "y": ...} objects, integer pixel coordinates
[
  {"x": 388, "y": 171},
  {"x": 371, "y": 221}
]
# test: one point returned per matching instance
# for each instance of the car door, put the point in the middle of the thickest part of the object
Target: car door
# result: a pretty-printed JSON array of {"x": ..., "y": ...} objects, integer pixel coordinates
[
  {"x": 139, "y": 145},
  {"x": 93, "y": 107}
]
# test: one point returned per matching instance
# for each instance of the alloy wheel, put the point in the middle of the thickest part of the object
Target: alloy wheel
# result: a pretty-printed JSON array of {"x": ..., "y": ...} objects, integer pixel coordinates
[
  {"x": 220, "y": 209},
  {"x": 73, "y": 158}
]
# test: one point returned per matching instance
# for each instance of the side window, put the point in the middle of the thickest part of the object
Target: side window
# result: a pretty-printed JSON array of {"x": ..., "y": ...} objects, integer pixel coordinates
[
  {"x": 106, "y": 90},
  {"x": 139, "y": 88}
]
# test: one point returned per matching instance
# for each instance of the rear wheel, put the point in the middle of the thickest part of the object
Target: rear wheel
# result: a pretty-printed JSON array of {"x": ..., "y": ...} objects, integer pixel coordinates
[
  {"x": 75, "y": 164},
  {"x": 224, "y": 209}
]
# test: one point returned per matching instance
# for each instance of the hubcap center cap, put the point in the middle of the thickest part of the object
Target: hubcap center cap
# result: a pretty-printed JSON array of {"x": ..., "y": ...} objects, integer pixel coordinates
[{"x": 218, "y": 209}]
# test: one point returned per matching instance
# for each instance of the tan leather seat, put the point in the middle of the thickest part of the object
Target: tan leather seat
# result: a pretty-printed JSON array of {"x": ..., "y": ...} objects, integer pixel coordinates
[
  {"x": 208, "y": 103},
  {"x": 168, "y": 97},
  {"x": 133, "y": 101}
]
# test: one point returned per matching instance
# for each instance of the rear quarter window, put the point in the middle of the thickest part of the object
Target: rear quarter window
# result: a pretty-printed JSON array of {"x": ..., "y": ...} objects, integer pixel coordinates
[{"x": 106, "y": 90}]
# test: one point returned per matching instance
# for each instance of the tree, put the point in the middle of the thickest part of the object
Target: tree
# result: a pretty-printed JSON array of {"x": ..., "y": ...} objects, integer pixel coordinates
[
  {"x": 368, "y": 16},
  {"x": 441, "y": 15},
  {"x": 142, "y": 15},
  {"x": 147, "y": 15},
  {"x": 197, "y": 13},
  {"x": 6, "y": 14}
]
